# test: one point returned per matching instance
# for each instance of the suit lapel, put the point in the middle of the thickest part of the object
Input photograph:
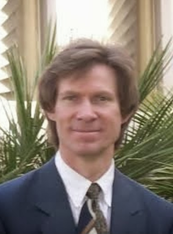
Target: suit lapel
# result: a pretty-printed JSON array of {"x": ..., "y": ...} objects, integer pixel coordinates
[
  {"x": 127, "y": 215},
  {"x": 50, "y": 199}
]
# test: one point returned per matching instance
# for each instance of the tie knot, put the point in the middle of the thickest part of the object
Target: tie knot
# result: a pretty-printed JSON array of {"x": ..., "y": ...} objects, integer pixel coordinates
[{"x": 93, "y": 191}]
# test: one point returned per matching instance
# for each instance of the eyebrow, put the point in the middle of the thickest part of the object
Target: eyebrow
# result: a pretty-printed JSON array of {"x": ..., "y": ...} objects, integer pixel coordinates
[
  {"x": 104, "y": 92},
  {"x": 68, "y": 92},
  {"x": 96, "y": 93}
]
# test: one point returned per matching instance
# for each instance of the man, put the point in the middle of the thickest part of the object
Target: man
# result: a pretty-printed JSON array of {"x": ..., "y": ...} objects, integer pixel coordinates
[{"x": 88, "y": 94}]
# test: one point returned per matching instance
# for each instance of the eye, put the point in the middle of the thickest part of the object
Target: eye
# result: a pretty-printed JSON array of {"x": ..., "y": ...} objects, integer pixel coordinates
[
  {"x": 70, "y": 98},
  {"x": 103, "y": 98}
]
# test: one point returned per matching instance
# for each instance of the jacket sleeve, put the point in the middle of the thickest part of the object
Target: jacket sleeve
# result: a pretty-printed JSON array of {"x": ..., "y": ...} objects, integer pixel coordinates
[
  {"x": 171, "y": 231},
  {"x": 2, "y": 230}
]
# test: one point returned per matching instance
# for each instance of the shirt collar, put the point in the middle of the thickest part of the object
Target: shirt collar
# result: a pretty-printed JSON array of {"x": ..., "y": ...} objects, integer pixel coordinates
[
  {"x": 77, "y": 185},
  {"x": 106, "y": 184}
]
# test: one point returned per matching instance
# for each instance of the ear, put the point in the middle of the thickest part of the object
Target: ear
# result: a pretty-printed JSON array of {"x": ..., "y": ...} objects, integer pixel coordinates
[
  {"x": 126, "y": 118},
  {"x": 51, "y": 115}
]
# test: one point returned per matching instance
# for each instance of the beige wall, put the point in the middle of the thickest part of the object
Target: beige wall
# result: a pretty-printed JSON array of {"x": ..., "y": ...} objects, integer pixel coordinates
[
  {"x": 30, "y": 36},
  {"x": 11, "y": 28},
  {"x": 123, "y": 24},
  {"x": 22, "y": 28},
  {"x": 166, "y": 25},
  {"x": 132, "y": 25},
  {"x": 146, "y": 32}
]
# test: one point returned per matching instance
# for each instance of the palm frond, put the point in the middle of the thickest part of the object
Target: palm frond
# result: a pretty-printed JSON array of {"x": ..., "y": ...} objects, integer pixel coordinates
[
  {"x": 23, "y": 146},
  {"x": 147, "y": 151}
]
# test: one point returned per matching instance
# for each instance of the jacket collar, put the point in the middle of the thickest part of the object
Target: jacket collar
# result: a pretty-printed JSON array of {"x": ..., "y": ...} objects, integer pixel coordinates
[
  {"x": 127, "y": 214},
  {"x": 50, "y": 198}
]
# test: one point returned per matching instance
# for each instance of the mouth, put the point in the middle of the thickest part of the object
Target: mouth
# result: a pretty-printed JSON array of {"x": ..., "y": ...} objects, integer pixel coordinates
[
  {"x": 87, "y": 135},
  {"x": 86, "y": 131}
]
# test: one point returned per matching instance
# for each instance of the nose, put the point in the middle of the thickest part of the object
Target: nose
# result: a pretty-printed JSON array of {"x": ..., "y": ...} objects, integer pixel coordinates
[{"x": 86, "y": 112}]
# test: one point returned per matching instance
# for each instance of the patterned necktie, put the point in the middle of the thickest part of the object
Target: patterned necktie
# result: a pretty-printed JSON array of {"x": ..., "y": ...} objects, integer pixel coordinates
[{"x": 92, "y": 220}]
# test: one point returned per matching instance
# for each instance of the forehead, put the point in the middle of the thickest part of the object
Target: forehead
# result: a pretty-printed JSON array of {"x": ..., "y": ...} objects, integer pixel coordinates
[{"x": 98, "y": 76}]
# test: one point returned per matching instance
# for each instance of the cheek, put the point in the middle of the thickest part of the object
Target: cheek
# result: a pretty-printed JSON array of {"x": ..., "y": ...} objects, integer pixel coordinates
[
  {"x": 115, "y": 124},
  {"x": 62, "y": 120}
]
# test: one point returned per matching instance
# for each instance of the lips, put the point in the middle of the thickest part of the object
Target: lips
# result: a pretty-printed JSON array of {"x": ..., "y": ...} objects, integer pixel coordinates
[{"x": 87, "y": 131}]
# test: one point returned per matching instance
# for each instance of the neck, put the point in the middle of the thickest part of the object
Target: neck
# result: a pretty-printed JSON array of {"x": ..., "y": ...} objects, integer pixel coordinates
[{"x": 92, "y": 168}]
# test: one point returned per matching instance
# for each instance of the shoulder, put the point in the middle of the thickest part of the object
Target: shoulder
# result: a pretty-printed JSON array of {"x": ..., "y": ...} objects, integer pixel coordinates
[
  {"x": 20, "y": 187},
  {"x": 148, "y": 200},
  {"x": 141, "y": 206},
  {"x": 11, "y": 189}
]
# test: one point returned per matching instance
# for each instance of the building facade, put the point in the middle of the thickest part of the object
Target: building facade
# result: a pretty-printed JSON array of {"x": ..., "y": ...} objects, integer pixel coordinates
[{"x": 136, "y": 24}]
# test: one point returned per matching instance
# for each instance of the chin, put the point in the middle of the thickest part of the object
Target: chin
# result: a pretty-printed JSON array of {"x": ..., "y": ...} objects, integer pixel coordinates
[{"x": 89, "y": 151}]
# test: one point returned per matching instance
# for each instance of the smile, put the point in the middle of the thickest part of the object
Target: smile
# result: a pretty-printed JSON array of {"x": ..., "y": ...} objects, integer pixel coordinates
[{"x": 87, "y": 131}]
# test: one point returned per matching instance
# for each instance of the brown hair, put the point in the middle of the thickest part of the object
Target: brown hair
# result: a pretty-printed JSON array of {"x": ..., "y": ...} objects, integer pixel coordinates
[{"x": 82, "y": 54}]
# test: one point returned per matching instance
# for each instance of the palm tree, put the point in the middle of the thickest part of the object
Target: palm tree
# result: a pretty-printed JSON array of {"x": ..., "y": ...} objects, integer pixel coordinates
[
  {"x": 146, "y": 154},
  {"x": 147, "y": 151},
  {"x": 24, "y": 145}
]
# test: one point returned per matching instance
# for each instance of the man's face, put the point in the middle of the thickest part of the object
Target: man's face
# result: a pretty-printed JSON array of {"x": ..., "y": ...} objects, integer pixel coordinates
[{"x": 87, "y": 112}]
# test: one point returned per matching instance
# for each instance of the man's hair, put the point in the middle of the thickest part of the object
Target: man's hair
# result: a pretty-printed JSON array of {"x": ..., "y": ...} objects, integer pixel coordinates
[{"x": 81, "y": 55}]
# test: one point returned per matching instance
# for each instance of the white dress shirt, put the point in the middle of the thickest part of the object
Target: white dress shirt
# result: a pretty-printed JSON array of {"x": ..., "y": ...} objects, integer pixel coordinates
[{"x": 77, "y": 186}]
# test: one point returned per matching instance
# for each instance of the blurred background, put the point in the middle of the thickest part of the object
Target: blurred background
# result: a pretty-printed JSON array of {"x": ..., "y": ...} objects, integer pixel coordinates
[
  {"x": 136, "y": 24},
  {"x": 27, "y": 46}
]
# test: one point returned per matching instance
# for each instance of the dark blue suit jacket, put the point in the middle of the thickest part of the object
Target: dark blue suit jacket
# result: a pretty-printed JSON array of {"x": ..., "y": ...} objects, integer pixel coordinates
[{"x": 37, "y": 203}]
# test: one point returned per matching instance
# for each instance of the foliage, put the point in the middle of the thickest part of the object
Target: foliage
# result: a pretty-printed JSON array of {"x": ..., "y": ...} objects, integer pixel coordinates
[
  {"x": 147, "y": 152},
  {"x": 24, "y": 146}
]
